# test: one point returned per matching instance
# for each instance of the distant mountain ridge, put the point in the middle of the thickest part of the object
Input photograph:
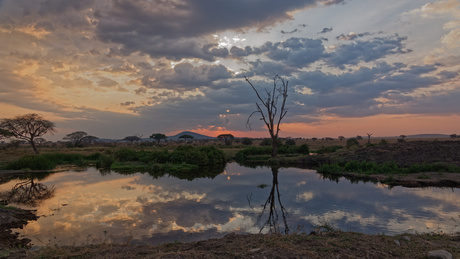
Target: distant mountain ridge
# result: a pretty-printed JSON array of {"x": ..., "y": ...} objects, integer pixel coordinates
[{"x": 193, "y": 134}]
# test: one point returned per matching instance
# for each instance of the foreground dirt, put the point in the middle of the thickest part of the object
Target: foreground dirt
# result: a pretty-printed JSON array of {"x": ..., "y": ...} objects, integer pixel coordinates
[{"x": 335, "y": 244}]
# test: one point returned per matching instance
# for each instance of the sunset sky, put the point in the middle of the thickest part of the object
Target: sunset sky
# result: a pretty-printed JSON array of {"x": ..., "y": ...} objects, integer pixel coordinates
[{"x": 115, "y": 68}]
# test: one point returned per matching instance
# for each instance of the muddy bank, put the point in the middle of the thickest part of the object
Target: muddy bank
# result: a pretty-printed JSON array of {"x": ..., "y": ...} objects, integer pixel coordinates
[{"x": 11, "y": 218}]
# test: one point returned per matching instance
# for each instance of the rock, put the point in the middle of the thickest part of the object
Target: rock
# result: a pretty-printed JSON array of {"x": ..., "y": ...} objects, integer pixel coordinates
[
  {"x": 439, "y": 254},
  {"x": 397, "y": 242},
  {"x": 255, "y": 250},
  {"x": 406, "y": 238}
]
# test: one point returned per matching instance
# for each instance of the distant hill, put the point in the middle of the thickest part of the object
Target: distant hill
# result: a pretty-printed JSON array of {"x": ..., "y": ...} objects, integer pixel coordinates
[
  {"x": 428, "y": 136},
  {"x": 193, "y": 134},
  {"x": 432, "y": 136}
]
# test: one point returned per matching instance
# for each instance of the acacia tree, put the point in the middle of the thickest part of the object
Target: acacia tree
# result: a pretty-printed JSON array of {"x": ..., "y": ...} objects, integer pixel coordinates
[
  {"x": 5, "y": 134},
  {"x": 28, "y": 127},
  {"x": 158, "y": 137},
  {"x": 228, "y": 138},
  {"x": 270, "y": 111},
  {"x": 78, "y": 137},
  {"x": 186, "y": 136}
]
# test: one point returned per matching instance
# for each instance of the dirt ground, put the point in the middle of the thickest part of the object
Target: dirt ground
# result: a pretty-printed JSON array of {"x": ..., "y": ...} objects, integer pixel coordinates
[
  {"x": 334, "y": 244},
  {"x": 319, "y": 244}
]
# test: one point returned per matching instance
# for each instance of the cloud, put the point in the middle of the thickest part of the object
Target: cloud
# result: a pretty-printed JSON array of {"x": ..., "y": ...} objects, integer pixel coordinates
[
  {"x": 325, "y": 30},
  {"x": 352, "y": 36},
  {"x": 172, "y": 28},
  {"x": 366, "y": 51},
  {"x": 186, "y": 76}
]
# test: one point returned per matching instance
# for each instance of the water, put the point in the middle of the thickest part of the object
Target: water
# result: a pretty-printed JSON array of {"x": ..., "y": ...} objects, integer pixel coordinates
[{"x": 89, "y": 207}]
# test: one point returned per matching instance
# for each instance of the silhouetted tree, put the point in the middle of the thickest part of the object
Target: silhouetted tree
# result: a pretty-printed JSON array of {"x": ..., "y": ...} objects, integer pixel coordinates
[
  {"x": 158, "y": 137},
  {"x": 40, "y": 141},
  {"x": 78, "y": 137},
  {"x": 272, "y": 112},
  {"x": 453, "y": 136},
  {"x": 369, "y": 138},
  {"x": 5, "y": 134},
  {"x": 132, "y": 139},
  {"x": 341, "y": 138},
  {"x": 28, "y": 127},
  {"x": 227, "y": 138},
  {"x": 186, "y": 136}
]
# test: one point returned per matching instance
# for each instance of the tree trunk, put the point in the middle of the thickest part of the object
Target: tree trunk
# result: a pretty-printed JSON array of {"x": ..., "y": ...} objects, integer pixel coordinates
[
  {"x": 32, "y": 142},
  {"x": 274, "y": 148}
]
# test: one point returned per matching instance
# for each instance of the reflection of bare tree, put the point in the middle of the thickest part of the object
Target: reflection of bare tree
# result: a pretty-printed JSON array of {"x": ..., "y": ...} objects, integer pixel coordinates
[
  {"x": 270, "y": 203},
  {"x": 28, "y": 193}
]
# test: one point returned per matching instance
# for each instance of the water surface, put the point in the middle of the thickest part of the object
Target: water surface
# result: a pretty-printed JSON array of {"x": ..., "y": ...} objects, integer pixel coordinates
[{"x": 90, "y": 207}]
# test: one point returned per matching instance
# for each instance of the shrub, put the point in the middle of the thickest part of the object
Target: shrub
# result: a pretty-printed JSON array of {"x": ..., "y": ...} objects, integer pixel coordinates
[
  {"x": 290, "y": 142},
  {"x": 32, "y": 162},
  {"x": 303, "y": 149},
  {"x": 246, "y": 142},
  {"x": 352, "y": 142}
]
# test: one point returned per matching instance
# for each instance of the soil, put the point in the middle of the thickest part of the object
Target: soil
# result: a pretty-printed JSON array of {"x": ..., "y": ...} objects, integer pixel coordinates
[
  {"x": 329, "y": 244},
  {"x": 333, "y": 244}
]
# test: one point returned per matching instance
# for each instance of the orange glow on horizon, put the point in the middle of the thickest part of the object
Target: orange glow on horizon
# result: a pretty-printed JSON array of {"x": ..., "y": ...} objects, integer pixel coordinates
[{"x": 378, "y": 126}]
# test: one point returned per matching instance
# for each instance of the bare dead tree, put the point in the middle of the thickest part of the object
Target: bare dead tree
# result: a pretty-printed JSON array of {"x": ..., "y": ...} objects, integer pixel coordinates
[
  {"x": 271, "y": 112},
  {"x": 369, "y": 138}
]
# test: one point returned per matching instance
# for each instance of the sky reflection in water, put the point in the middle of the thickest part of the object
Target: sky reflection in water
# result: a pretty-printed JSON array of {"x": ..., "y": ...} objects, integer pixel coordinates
[{"x": 88, "y": 207}]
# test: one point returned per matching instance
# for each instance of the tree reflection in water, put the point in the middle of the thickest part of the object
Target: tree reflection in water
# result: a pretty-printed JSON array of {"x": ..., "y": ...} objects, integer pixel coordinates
[
  {"x": 28, "y": 193},
  {"x": 271, "y": 205}
]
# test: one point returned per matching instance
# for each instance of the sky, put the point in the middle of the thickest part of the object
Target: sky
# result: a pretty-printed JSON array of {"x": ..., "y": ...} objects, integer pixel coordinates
[{"x": 116, "y": 68}]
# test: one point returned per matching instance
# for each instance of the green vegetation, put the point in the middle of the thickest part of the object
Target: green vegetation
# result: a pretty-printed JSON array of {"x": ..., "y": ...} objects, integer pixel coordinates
[
  {"x": 263, "y": 154},
  {"x": 50, "y": 161},
  {"x": 330, "y": 149},
  {"x": 384, "y": 168},
  {"x": 182, "y": 159}
]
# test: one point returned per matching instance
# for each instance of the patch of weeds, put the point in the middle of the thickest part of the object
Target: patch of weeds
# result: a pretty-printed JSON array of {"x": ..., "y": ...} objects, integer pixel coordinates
[
  {"x": 5, "y": 207},
  {"x": 262, "y": 186},
  {"x": 324, "y": 225}
]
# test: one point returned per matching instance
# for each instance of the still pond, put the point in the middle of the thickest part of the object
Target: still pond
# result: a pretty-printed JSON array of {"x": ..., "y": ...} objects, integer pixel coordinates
[{"x": 89, "y": 206}]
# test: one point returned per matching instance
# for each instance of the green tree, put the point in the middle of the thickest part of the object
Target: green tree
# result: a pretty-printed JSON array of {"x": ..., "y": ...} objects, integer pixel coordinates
[
  {"x": 28, "y": 127},
  {"x": 270, "y": 111},
  {"x": 158, "y": 137},
  {"x": 227, "y": 138}
]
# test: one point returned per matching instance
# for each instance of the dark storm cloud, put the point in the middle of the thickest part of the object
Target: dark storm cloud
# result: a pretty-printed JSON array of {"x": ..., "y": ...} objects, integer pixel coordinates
[
  {"x": 352, "y": 36},
  {"x": 170, "y": 28},
  {"x": 286, "y": 56},
  {"x": 374, "y": 49},
  {"x": 325, "y": 30},
  {"x": 356, "y": 93},
  {"x": 185, "y": 76}
]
